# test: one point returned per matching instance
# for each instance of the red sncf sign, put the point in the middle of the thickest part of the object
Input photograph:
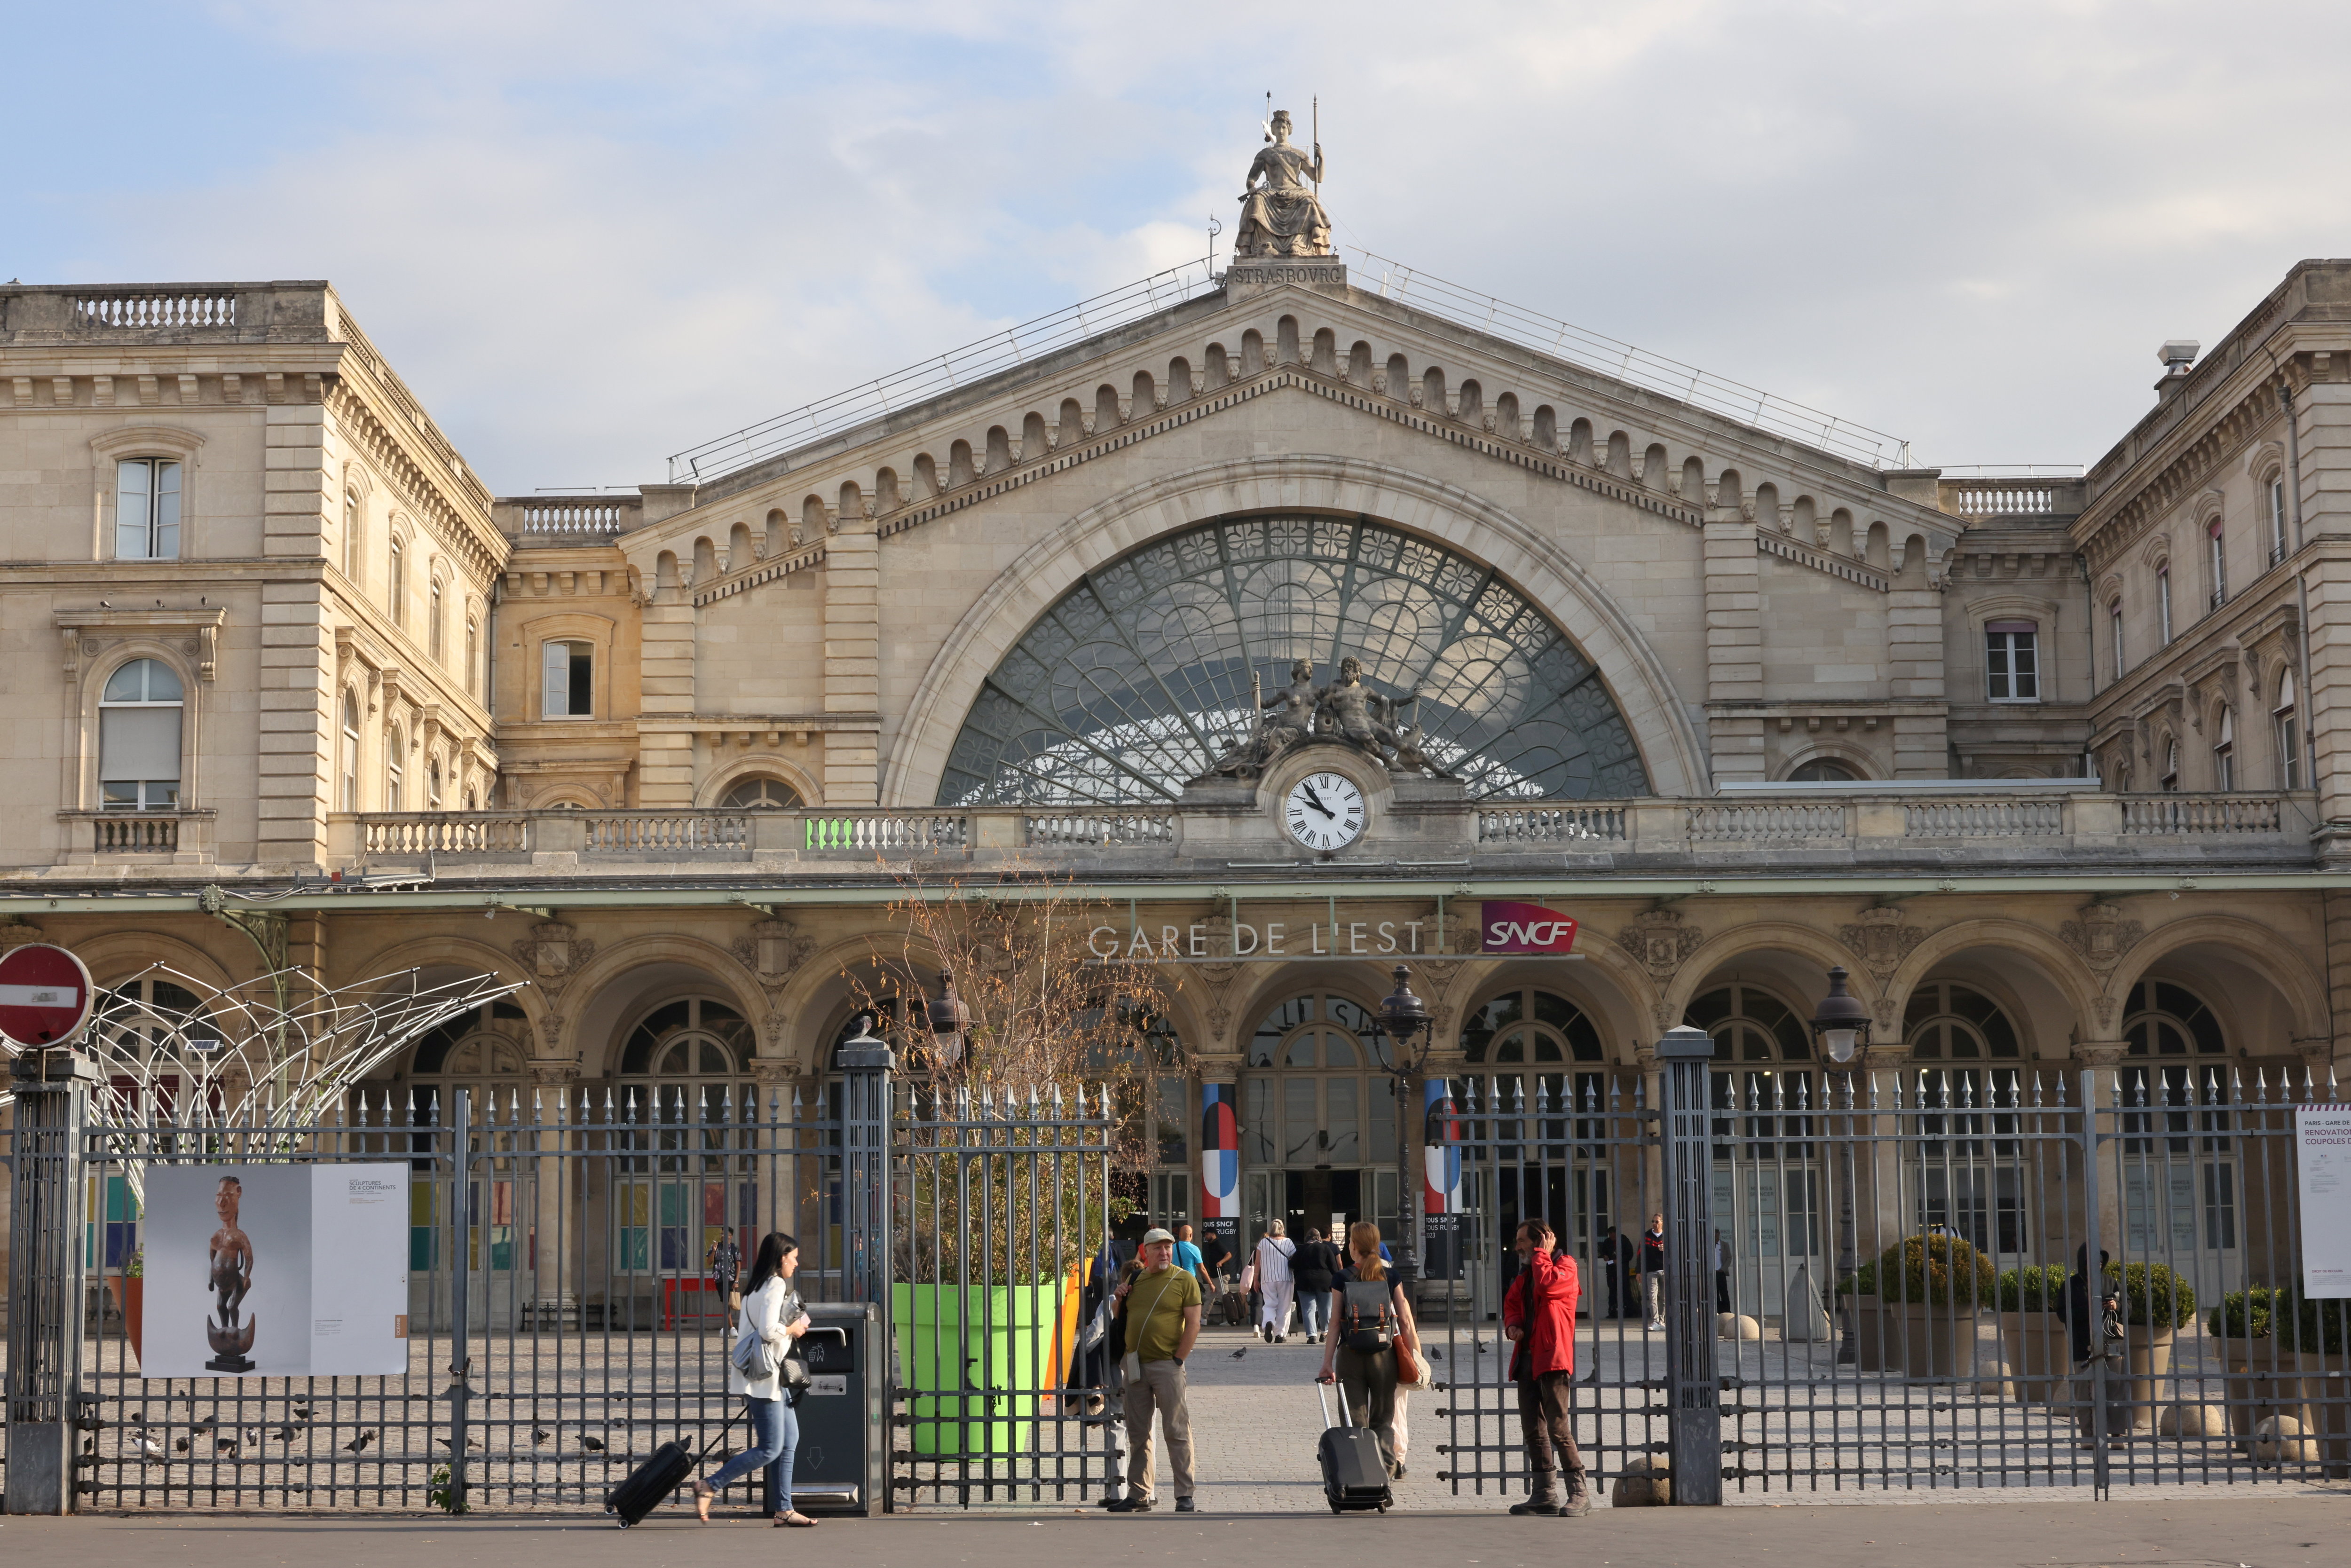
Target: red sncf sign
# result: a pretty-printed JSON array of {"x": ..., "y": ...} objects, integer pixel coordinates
[{"x": 1513, "y": 927}]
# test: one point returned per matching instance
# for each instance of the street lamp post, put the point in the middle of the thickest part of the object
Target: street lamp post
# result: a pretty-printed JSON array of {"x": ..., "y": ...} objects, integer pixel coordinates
[
  {"x": 950, "y": 1018},
  {"x": 1403, "y": 1017},
  {"x": 1841, "y": 1024}
]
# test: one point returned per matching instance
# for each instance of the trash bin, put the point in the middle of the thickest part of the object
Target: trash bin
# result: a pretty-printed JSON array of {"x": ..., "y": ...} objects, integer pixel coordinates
[{"x": 842, "y": 1462}]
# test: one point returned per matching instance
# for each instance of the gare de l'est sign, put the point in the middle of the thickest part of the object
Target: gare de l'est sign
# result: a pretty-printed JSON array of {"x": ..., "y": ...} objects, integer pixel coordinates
[{"x": 1507, "y": 928}]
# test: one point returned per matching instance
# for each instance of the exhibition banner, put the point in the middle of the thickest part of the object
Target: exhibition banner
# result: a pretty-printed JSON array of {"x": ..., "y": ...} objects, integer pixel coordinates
[
  {"x": 2322, "y": 1165},
  {"x": 275, "y": 1271}
]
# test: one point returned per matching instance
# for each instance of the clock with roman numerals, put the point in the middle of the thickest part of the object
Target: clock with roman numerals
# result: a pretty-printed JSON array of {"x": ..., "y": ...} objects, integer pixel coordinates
[{"x": 1324, "y": 812}]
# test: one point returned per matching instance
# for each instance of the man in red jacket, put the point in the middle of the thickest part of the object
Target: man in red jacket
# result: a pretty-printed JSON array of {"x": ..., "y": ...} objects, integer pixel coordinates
[{"x": 1539, "y": 1316}]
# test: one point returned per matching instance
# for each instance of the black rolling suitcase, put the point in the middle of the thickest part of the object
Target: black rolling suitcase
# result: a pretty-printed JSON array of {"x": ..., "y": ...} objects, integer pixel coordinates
[
  {"x": 1355, "y": 1480},
  {"x": 651, "y": 1483}
]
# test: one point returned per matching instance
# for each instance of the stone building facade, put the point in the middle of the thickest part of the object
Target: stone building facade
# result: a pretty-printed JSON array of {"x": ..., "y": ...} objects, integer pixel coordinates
[{"x": 1743, "y": 706}]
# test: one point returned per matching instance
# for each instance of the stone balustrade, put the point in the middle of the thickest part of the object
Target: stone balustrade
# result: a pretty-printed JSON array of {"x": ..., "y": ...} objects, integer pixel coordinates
[{"x": 1753, "y": 834}]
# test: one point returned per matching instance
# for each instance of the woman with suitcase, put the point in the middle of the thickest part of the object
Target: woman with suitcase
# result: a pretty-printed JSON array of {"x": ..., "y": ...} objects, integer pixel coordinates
[
  {"x": 1370, "y": 1322},
  {"x": 773, "y": 1314}
]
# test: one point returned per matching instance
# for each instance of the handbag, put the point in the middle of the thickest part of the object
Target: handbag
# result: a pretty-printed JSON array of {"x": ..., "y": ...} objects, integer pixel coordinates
[
  {"x": 1249, "y": 1277},
  {"x": 1409, "y": 1370}
]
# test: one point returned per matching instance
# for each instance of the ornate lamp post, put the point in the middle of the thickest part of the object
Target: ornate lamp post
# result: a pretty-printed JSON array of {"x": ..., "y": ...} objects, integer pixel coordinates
[
  {"x": 950, "y": 1018},
  {"x": 1841, "y": 1024},
  {"x": 1403, "y": 1017}
]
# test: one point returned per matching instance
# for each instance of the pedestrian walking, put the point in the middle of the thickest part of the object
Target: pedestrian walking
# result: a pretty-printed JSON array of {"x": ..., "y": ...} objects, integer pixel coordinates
[
  {"x": 2096, "y": 1330},
  {"x": 1161, "y": 1306},
  {"x": 1538, "y": 1319},
  {"x": 1316, "y": 1268},
  {"x": 1616, "y": 1254},
  {"x": 724, "y": 1260},
  {"x": 1653, "y": 1272},
  {"x": 1369, "y": 1319},
  {"x": 1189, "y": 1260},
  {"x": 1275, "y": 1282},
  {"x": 772, "y": 1312},
  {"x": 1721, "y": 1273}
]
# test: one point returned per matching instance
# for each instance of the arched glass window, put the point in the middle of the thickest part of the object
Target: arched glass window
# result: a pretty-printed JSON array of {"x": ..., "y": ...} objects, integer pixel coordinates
[
  {"x": 1967, "y": 1179},
  {"x": 1823, "y": 770},
  {"x": 2115, "y": 632},
  {"x": 1529, "y": 1026},
  {"x": 1146, "y": 672},
  {"x": 2216, "y": 542},
  {"x": 2170, "y": 779},
  {"x": 350, "y": 789},
  {"x": 432, "y": 784},
  {"x": 2289, "y": 735},
  {"x": 152, "y": 1027},
  {"x": 760, "y": 793},
  {"x": 351, "y": 535},
  {"x": 2277, "y": 519},
  {"x": 1750, "y": 1025},
  {"x": 473, "y": 658},
  {"x": 139, "y": 734},
  {"x": 2163, "y": 602},
  {"x": 1318, "y": 1115},
  {"x": 2182, "y": 1188},
  {"x": 1763, "y": 1092},
  {"x": 2224, "y": 753},
  {"x": 685, "y": 1074},
  {"x": 396, "y": 582},
  {"x": 436, "y": 629},
  {"x": 395, "y": 750}
]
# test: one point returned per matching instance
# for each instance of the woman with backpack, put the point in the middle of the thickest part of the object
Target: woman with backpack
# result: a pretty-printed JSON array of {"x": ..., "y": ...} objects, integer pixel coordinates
[
  {"x": 1369, "y": 1319},
  {"x": 773, "y": 1318}
]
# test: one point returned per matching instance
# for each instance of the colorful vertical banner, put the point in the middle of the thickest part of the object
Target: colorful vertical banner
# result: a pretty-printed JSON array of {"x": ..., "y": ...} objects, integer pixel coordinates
[
  {"x": 1440, "y": 1150},
  {"x": 1220, "y": 1163}
]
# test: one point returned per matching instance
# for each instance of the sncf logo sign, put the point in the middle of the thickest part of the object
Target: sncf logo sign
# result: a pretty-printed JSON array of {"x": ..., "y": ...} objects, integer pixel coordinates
[{"x": 1512, "y": 927}]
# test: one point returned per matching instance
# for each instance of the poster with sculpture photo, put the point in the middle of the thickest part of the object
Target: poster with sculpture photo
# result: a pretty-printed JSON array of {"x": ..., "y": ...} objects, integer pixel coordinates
[{"x": 275, "y": 1271}]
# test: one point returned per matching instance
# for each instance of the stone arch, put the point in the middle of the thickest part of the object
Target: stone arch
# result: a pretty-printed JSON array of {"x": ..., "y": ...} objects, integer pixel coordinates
[
  {"x": 1614, "y": 991},
  {"x": 120, "y": 955},
  {"x": 808, "y": 1006},
  {"x": 605, "y": 993},
  {"x": 1783, "y": 949},
  {"x": 1865, "y": 765},
  {"x": 2056, "y": 964},
  {"x": 2246, "y": 944},
  {"x": 714, "y": 786},
  {"x": 1574, "y": 598}
]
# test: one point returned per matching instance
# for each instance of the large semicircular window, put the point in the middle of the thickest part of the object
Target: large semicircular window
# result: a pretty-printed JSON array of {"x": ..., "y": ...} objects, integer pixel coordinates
[{"x": 1140, "y": 676}]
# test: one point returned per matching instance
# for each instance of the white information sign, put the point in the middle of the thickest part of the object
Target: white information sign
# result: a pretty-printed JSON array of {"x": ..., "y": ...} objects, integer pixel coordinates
[
  {"x": 275, "y": 1271},
  {"x": 2322, "y": 1161}
]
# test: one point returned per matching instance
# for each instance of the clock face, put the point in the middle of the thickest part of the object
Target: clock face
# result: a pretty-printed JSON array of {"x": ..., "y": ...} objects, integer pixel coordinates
[{"x": 1324, "y": 812}]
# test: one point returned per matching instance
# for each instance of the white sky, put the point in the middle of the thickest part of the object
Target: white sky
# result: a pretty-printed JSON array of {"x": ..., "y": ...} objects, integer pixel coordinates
[{"x": 593, "y": 233}]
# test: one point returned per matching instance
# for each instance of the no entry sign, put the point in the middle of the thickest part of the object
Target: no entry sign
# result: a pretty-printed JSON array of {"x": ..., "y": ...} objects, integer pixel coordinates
[{"x": 45, "y": 996}]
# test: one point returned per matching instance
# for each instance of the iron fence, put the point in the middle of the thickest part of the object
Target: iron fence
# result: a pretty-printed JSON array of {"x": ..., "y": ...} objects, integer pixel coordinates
[{"x": 1900, "y": 1277}]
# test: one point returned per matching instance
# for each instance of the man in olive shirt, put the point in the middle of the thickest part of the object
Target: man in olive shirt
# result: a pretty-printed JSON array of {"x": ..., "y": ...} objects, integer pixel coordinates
[{"x": 1162, "y": 1308}]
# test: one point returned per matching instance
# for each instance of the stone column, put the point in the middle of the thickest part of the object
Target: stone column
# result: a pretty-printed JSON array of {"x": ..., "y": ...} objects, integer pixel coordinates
[{"x": 2100, "y": 1058}]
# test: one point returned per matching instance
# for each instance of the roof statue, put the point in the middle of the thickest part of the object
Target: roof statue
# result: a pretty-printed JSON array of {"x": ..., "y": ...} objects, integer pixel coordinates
[{"x": 1280, "y": 214}]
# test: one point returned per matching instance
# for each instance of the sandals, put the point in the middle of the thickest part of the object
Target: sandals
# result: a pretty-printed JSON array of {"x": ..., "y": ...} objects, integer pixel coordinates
[
  {"x": 794, "y": 1521},
  {"x": 703, "y": 1493}
]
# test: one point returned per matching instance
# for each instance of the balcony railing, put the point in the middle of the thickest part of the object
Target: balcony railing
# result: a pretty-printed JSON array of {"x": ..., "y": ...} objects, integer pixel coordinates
[{"x": 1954, "y": 826}]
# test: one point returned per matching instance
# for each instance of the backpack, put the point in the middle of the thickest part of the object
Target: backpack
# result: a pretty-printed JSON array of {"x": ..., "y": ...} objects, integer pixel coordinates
[{"x": 1368, "y": 1323}]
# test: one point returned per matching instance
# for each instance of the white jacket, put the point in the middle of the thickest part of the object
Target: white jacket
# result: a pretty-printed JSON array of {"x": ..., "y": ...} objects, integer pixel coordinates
[{"x": 760, "y": 1317}]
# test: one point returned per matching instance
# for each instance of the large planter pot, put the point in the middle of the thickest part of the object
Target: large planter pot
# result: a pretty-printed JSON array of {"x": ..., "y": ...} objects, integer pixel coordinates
[
  {"x": 129, "y": 1292},
  {"x": 2261, "y": 1383},
  {"x": 1870, "y": 1333},
  {"x": 2148, "y": 1354},
  {"x": 2039, "y": 1352},
  {"x": 1938, "y": 1342},
  {"x": 956, "y": 1344},
  {"x": 2326, "y": 1393}
]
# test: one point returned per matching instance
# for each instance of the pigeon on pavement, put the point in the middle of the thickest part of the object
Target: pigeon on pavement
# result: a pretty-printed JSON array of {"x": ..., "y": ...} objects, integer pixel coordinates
[{"x": 362, "y": 1441}]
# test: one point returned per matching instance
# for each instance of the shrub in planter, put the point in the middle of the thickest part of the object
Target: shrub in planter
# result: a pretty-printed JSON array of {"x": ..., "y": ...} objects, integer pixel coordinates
[
  {"x": 2153, "y": 1297},
  {"x": 1936, "y": 1271},
  {"x": 2036, "y": 1287},
  {"x": 2313, "y": 1327},
  {"x": 2243, "y": 1314},
  {"x": 1861, "y": 1281}
]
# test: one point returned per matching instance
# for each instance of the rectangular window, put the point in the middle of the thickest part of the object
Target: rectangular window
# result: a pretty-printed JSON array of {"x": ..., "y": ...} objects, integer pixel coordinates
[
  {"x": 2012, "y": 661},
  {"x": 147, "y": 509},
  {"x": 566, "y": 683},
  {"x": 139, "y": 758}
]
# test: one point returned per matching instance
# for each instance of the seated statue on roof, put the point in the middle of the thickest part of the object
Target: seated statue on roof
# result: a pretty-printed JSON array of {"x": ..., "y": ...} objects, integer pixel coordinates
[{"x": 1280, "y": 214}]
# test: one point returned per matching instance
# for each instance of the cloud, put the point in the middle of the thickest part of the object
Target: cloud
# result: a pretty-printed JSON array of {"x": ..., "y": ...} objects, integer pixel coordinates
[{"x": 593, "y": 233}]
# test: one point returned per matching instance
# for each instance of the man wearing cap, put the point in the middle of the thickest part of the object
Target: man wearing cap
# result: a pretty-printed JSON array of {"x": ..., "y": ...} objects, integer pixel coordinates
[{"x": 1162, "y": 1309}]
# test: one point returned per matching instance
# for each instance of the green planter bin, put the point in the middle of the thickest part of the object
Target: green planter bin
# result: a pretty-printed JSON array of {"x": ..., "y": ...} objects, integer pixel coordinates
[{"x": 956, "y": 1343}]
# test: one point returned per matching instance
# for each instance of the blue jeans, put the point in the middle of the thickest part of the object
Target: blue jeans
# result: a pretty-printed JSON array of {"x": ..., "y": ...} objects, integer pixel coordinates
[
  {"x": 1313, "y": 1311},
  {"x": 775, "y": 1434}
]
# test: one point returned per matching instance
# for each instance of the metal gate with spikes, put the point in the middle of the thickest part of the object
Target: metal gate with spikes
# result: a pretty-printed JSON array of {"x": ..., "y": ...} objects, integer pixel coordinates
[
  {"x": 564, "y": 1316},
  {"x": 1895, "y": 1266}
]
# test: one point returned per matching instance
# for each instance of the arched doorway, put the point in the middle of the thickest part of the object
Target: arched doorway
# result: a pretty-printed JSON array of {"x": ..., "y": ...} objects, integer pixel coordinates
[
  {"x": 1318, "y": 1119},
  {"x": 1969, "y": 1168},
  {"x": 1767, "y": 1181},
  {"x": 682, "y": 1172},
  {"x": 1534, "y": 1050},
  {"x": 484, "y": 1052},
  {"x": 2179, "y": 1176}
]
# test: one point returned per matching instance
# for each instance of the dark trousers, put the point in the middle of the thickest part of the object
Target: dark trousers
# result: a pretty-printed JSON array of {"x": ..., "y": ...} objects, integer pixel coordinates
[
  {"x": 1722, "y": 1290},
  {"x": 1547, "y": 1419},
  {"x": 1615, "y": 1293}
]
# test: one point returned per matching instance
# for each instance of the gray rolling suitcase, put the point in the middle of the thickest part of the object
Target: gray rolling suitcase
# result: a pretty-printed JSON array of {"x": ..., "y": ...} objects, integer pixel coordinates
[{"x": 1353, "y": 1479}]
